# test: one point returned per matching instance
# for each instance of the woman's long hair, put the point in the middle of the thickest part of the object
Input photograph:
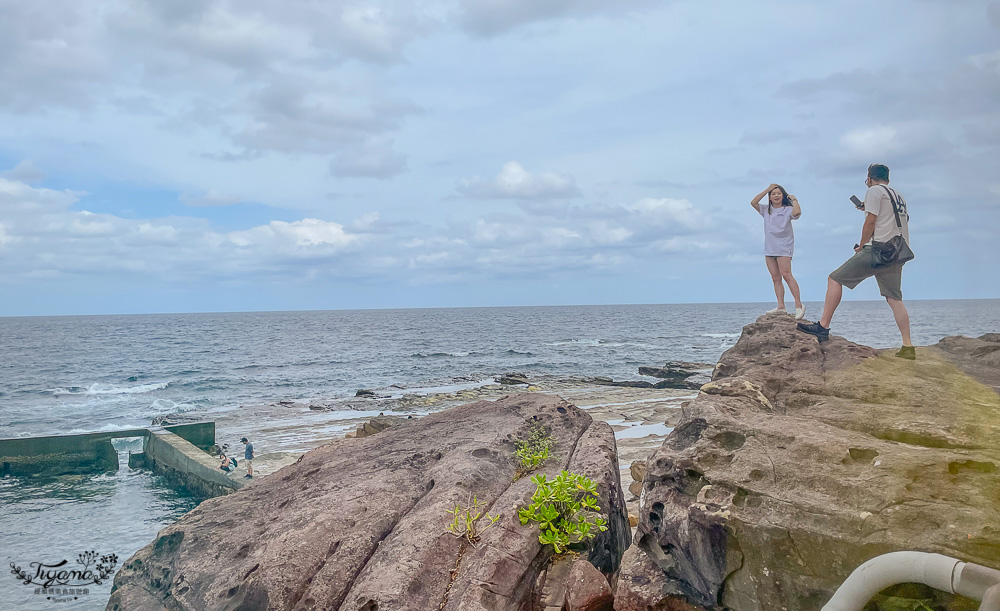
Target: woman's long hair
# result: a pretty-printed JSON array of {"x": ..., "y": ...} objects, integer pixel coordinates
[{"x": 784, "y": 198}]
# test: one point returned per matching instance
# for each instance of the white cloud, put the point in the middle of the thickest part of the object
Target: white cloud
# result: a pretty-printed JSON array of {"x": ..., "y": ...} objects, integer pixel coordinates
[
  {"x": 898, "y": 143},
  {"x": 25, "y": 171},
  {"x": 670, "y": 212},
  {"x": 515, "y": 182},
  {"x": 297, "y": 236},
  {"x": 54, "y": 239}
]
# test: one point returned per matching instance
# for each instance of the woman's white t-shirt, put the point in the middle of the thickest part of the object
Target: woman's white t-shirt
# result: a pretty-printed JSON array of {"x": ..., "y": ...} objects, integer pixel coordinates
[{"x": 779, "y": 240}]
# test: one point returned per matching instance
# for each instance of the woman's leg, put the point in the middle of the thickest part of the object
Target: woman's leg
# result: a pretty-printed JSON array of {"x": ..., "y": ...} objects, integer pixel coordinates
[
  {"x": 785, "y": 267},
  {"x": 779, "y": 289}
]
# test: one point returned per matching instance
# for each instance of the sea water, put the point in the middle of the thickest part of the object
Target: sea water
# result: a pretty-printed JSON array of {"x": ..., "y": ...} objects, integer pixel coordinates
[{"x": 94, "y": 373}]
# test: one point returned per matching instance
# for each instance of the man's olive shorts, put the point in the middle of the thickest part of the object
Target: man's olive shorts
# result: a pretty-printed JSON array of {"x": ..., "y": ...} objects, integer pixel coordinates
[{"x": 860, "y": 266}]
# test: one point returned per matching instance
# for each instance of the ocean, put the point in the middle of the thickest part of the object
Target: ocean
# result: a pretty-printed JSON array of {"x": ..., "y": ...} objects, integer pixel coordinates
[{"x": 95, "y": 373}]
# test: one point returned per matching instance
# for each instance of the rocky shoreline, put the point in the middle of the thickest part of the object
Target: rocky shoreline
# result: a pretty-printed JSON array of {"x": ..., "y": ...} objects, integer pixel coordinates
[
  {"x": 797, "y": 462},
  {"x": 641, "y": 416}
]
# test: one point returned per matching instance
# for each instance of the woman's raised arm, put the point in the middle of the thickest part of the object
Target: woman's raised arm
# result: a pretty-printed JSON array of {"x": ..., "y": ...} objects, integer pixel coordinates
[{"x": 756, "y": 200}]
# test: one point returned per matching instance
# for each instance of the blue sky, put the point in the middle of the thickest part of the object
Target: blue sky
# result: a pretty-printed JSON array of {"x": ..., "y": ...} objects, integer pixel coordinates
[{"x": 259, "y": 155}]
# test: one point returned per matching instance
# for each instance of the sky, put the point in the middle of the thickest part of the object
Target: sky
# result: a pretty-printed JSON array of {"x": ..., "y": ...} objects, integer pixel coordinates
[{"x": 233, "y": 155}]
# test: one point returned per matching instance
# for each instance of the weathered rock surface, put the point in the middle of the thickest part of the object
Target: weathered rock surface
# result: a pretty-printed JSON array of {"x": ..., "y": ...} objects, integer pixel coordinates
[
  {"x": 979, "y": 357},
  {"x": 359, "y": 524},
  {"x": 588, "y": 589},
  {"x": 802, "y": 460},
  {"x": 675, "y": 370}
]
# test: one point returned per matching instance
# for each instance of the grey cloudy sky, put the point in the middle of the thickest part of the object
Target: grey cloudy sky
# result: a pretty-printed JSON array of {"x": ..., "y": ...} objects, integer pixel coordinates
[{"x": 198, "y": 155}]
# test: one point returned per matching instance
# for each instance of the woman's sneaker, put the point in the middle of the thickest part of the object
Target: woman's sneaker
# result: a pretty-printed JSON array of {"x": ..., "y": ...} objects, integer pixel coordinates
[
  {"x": 907, "y": 352},
  {"x": 814, "y": 328},
  {"x": 800, "y": 312},
  {"x": 777, "y": 311}
]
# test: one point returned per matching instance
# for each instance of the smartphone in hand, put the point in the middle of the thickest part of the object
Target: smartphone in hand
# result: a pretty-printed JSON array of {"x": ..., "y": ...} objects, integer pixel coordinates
[{"x": 860, "y": 205}]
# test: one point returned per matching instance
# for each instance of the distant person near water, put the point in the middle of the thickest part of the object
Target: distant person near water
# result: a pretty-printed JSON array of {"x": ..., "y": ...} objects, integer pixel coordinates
[
  {"x": 248, "y": 456},
  {"x": 880, "y": 253},
  {"x": 779, "y": 242},
  {"x": 228, "y": 464}
]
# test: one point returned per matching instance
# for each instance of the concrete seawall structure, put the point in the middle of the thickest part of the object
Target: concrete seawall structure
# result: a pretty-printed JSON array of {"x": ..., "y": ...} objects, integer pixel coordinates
[
  {"x": 180, "y": 461},
  {"x": 179, "y": 452},
  {"x": 62, "y": 454}
]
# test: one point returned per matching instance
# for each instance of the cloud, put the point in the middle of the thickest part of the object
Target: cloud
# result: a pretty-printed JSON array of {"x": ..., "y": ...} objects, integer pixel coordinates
[
  {"x": 210, "y": 198},
  {"x": 373, "y": 158},
  {"x": 53, "y": 239},
  {"x": 514, "y": 182},
  {"x": 25, "y": 171},
  {"x": 757, "y": 137},
  {"x": 495, "y": 17},
  {"x": 665, "y": 212},
  {"x": 299, "y": 236},
  {"x": 906, "y": 143},
  {"x": 44, "y": 234},
  {"x": 250, "y": 77}
]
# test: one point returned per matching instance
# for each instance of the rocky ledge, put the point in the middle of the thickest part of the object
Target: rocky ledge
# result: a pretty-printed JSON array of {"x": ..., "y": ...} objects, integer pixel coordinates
[
  {"x": 359, "y": 524},
  {"x": 800, "y": 461}
]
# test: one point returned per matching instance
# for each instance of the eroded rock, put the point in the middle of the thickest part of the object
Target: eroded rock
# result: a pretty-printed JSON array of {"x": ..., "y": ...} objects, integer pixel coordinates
[
  {"x": 359, "y": 524},
  {"x": 802, "y": 460}
]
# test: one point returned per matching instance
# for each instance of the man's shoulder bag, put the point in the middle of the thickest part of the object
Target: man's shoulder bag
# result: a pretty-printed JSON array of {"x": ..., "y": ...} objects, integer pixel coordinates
[{"x": 896, "y": 250}]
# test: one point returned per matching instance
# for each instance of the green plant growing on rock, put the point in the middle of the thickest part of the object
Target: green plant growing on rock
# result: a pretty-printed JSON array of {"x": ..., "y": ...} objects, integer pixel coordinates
[
  {"x": 466, "y": 523},
  {"x": 562, "y": 508},
  {"x": 531, "y": 453}
]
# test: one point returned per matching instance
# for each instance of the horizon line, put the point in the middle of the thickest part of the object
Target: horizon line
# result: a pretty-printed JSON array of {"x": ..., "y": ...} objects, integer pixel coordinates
[{"x": 389, "y": 309}]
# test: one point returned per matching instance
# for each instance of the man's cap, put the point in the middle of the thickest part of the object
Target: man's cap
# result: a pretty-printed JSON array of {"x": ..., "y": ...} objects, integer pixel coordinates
[{"x": 244, "y": 440}]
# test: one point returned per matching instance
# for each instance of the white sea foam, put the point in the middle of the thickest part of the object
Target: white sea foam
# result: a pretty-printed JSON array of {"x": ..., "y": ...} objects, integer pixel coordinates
[
  {"x": 576, "y": 342},
  {"x": 168, "y": 406},
  {"x": 721, "y": 335},
  {"x": 108, "y": 389}
]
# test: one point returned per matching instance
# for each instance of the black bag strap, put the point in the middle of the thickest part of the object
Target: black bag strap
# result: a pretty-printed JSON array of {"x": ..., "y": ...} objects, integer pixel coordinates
[{"x": 892, "y": 200}]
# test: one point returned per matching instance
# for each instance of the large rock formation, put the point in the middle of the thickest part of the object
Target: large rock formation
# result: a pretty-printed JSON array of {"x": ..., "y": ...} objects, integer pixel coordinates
[
  {"x": 801, "y": 460},
  {"x": 359, "y": 524}
]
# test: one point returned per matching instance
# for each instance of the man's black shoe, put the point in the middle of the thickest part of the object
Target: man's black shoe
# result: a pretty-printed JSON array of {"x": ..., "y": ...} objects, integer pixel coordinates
[
  {"x": 907, "y": 352},
  {"x": 814, "y": 328}
]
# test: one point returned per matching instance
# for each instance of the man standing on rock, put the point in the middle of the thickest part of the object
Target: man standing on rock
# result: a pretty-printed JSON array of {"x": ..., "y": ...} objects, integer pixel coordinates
[
  {"x": 248, "y": 457},
  {"x": 885, "y": 218}
]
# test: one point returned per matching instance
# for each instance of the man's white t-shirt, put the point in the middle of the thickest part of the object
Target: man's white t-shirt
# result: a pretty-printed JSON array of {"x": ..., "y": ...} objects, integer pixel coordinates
[{"x": 877, "y": 202}]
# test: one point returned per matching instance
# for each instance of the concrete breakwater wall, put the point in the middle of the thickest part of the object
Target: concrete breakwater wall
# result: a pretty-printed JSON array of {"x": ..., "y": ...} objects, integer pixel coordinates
[
  {"x": 180, "y": 452},
  {"x": 185, "y": 464}
]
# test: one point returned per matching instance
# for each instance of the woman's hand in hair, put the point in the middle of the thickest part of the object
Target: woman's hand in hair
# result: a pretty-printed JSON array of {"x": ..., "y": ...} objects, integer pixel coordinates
[{"x": 765, "y": 193}]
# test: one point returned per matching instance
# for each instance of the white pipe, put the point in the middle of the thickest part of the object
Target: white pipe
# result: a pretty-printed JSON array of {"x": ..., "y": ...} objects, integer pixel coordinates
[
  {"x": 991, "y": 599},
  {"x": 935, "y": 570}
]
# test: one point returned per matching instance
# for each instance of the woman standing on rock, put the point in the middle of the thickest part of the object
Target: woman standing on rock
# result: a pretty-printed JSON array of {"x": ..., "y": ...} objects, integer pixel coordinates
[{"x": 779, "y": 242}]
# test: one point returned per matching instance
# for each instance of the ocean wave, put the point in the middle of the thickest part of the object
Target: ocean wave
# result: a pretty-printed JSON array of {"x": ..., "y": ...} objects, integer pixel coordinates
[
  {"x": 166, "y": 406},
  {"x": 513, "y": 352},
  {"x": 721, "y": 335},
  {"x": 428, "y": 355},
  {"x": 576, "y": 342},
  {"x": 107, "y": 389}
]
